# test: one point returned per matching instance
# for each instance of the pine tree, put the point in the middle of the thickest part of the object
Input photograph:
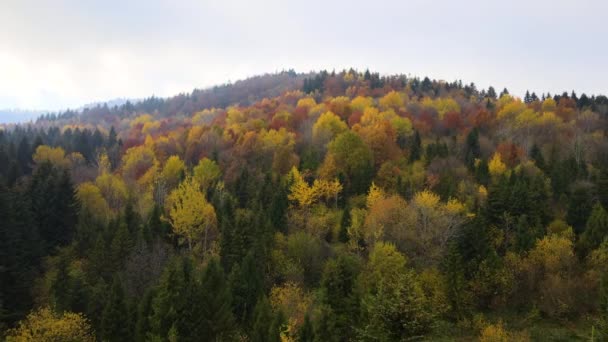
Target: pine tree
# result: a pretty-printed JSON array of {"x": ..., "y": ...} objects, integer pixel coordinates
[
  {"x": 579, "y": 207},
  {"x": 262, "y": 321},
  {"x": 306, "y": 332},
  {"x": 537, "y": 155},
  {"x": 602, "y": 187},
  {"x": 472, "y": 149},
  {"x": 416, "y": 149},
  {"x": 277, "y": 327},
  {"x": 344, "y": 225},
  {"x": 338, "y": 284},
  {"x": 216, "y": 304},
  {"x": 247, "y": 286},
  {"x": 456, "y": 285},
  {"x": 115, "y": 318},
  {"x": 596, "y": 230},
  {"x": 144, "y": 310}
]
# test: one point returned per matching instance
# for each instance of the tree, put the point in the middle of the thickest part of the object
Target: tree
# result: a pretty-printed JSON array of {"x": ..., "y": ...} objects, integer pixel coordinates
[
  {"x": 93, "y": 202},
  {"x": 55, "y": 156},
  {"x": 580, "y": 206},
  {"x": 344, "y": 225},
  {"x": 262, "y": 321},
  {"x": 496, "y": 166},
  {"x": 354, "y": 159},
  {"x": 394, "y": 306},
  {"x": 216, "y": 303},
  {"x": 190, "y": 215},
  {"x": 247, "y": 286},
  {"x": 206, "y": 172},
  {"x": 173, "y": 171},
  {"x": 306, "y": 332},
  {"x": 46, "y": 326},
  {"x": 472, "y": 149},
  {"x": 338, "y": 284},
  {"x": 327, "y": 126},
  {"x": 596, "y": 230},
  {"x": 115, "y": 320},
  {"x": 416, "y": 149}
]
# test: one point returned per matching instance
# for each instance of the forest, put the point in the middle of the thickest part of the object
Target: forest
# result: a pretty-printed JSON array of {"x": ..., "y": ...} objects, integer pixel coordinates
[{"x": 322, "y": 206}]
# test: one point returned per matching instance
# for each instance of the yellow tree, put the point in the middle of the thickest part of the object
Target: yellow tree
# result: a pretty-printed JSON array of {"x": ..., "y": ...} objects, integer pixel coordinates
[
  {"x": 92, "y": 202},
  {"x": 328, "y": 190},
  {"x": 496, "y": 166},
  {"x": 44, "y": 325},
  {"x": 190, "y": 214},
  {"x": 206, "y": 172},
  {"x": 173, "y": 171},
  {"x": 392, "y": 100},
  {"x": 300, "y": 192},
  {"x": 328, "y": 126},
  {"x": 54, "y": 155},
  {"x": 113, "y": 189}
]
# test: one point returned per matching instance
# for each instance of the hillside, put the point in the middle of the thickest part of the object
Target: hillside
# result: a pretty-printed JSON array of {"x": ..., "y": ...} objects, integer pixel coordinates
[{"x": 326, "y": 206}]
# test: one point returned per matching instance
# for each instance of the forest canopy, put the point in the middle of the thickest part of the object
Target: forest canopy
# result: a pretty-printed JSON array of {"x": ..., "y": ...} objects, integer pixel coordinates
[{"x": 327, "y": 206}]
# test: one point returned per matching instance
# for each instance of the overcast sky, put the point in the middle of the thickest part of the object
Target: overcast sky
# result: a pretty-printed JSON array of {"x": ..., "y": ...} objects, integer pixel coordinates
[{"x": 66, "y": 53}]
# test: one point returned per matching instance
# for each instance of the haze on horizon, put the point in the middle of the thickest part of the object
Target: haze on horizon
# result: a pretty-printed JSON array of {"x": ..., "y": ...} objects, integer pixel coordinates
[{"x": 67, "y": 53}]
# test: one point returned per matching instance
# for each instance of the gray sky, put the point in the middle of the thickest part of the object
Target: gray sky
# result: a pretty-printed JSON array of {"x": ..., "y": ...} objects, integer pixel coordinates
[{"x": 66, "y": 53}]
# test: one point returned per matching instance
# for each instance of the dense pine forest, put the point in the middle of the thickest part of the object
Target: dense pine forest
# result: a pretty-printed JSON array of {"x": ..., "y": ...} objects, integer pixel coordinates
[{"x": 327, "y": 206}]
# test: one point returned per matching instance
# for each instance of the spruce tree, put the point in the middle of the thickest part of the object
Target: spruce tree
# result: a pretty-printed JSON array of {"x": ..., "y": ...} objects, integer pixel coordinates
[
  {"x": 472, "y": 149},
  {"x": 247, "y": 285},
  {"x": 596, "y": 230},
  {"x": 262, "y": 321},
  {"x": 306, "y": 332},
  {"x": 416, "y": 148},
  {"x": 344, "y": 225},
  {"x": 217, "y": 318},
  {"x": 115, "y": 318}
]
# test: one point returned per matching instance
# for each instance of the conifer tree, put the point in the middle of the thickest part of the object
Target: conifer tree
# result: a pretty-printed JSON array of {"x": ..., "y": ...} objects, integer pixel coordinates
[
  {"x": 216, "y": 304},
  {"x": 416, "y": 148},
  {"x": 306, "y": 332},
  {"x": 262, "y": 321},
  {"x": 115, "y": 318},
  {"x": 247, "y": 286}
]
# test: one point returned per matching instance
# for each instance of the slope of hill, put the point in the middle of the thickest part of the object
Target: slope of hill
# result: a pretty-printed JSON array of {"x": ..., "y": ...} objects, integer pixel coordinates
[{"x": 309, "y": 207}]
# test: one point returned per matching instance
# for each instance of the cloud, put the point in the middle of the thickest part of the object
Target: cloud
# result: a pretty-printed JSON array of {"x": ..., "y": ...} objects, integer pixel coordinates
[{"x": 66, "y": 53}]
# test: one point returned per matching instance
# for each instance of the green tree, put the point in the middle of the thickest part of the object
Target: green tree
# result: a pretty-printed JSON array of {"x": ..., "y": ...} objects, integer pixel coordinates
[
  {"x": 596, "y": 230},
  {"x": 247, "y": 285},
  {"x": 416, "y": 148},
  {"x": 338, "y": 284},
  {"x": 216, "y": 304},
  {"x": 115, "y": 318}
]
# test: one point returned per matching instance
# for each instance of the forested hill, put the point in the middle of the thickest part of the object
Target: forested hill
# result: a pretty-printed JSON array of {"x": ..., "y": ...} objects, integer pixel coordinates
[{"x": 342, "y": 206}]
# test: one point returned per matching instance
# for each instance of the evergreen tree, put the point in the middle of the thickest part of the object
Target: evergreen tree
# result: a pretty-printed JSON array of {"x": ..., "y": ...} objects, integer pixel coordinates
[
  {"x": 472, "y": 149},
  {"x": 344, "y": 225},
  {"x": 217, "y": 319},
  {"x": 456, "y": 284},
  {"x": 144, "y": 310},
  {"x": 247, "y": 285},
  {"x": 492, "y": 93},
  {"x": 579, "y": 208},
  {"x": 115, "y": 318},
  {"x": 306, "y": 332},
  {"x": 277, "y": 327},
  {"x": 416, "y": 148},
  {"x": 602, "y": 187},
  {"x": 338, "y": 284},
  {"x": 262, "y": 321},
  {"x": 596, "y": 230},
  {"x": 537, "y": 156}
]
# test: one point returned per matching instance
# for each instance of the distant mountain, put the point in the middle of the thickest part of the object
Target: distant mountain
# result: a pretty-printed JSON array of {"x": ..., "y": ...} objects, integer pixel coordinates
[
  {"x": 111, "y": 103},
  {"x": 19, "y": 115},
  {"x": 16, "y": 115}
]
